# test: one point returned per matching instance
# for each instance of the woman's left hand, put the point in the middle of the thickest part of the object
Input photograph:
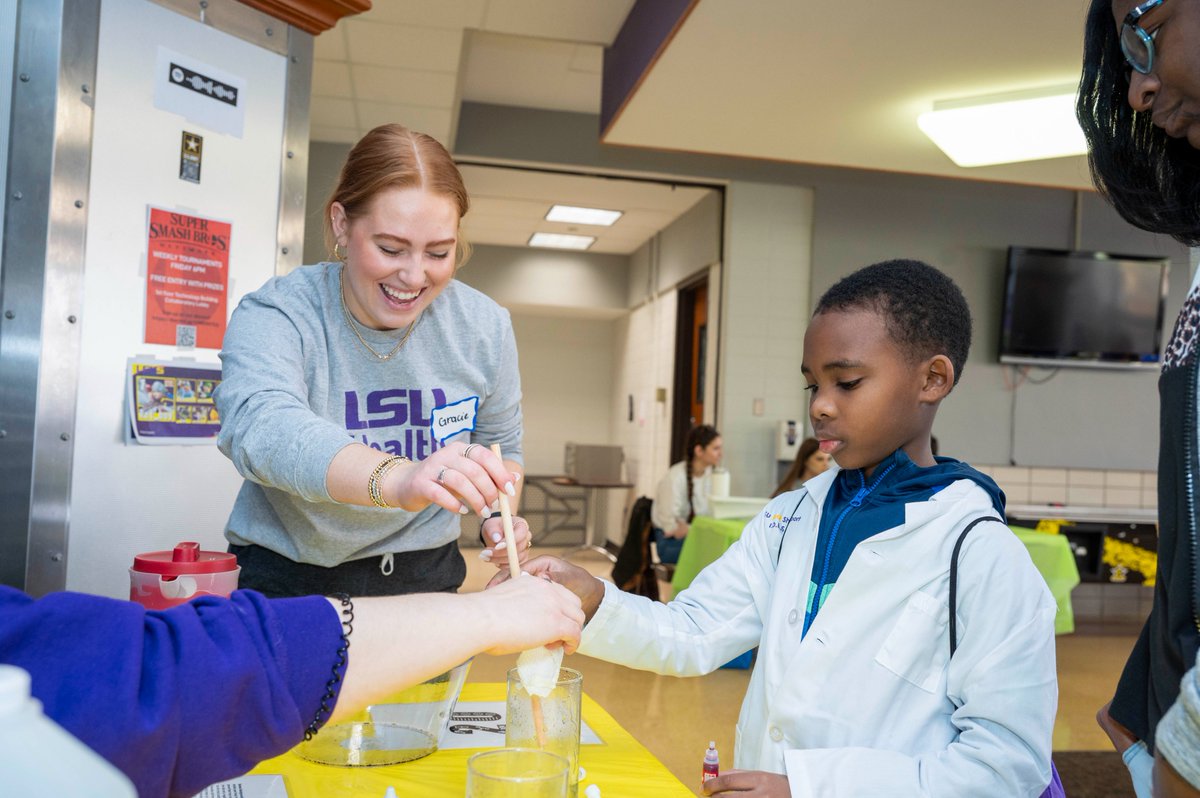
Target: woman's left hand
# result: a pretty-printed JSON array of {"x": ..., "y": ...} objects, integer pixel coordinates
[
  {"x": 749, "y": 784},
  {"x": 497, "y": 552}
]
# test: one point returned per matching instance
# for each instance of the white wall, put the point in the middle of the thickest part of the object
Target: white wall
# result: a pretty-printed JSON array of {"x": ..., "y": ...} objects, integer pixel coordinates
[
  {"x": 566, "y": 376},
  {"x": 768, "y": 251},
  {"x": 130, "y": 499},
  {"x": 644, "y": 360},
  {"x": 539, "y": 280}
]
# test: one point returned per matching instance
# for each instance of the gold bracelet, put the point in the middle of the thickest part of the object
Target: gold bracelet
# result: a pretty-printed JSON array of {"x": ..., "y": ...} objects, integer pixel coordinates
[{"x": 375, "y": 483}]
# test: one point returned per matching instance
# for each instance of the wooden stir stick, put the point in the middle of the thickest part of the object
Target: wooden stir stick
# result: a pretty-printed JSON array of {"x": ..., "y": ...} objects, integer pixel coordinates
[{"x": 514, "y": 570}]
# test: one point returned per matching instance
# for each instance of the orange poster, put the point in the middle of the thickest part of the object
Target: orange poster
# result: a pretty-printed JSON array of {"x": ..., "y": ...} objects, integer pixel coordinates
[{"x": 187, "y": 279}]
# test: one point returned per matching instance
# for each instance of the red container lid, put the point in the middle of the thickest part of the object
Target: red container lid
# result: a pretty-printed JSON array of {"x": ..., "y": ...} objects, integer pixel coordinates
[{"x": 186, "y": 558}]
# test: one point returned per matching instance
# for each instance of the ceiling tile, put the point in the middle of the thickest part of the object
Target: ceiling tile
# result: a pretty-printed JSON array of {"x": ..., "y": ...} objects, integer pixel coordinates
[
  {"x": 568, "y": 20},
  {"x": 454, "y": 14},
  {"x": 331, "y": 79},
  {"x": 403, "y": 46},
  {"x": 332, "y": 112},
  {"x": 404, "y": 86},
  {"x": 338, "y": 135},
  {"x": 587, "y": 58},
  {"x": 331, "y": 45},
  {"x": 433, "y": 121},
  {"x": 533, "y": 73}
]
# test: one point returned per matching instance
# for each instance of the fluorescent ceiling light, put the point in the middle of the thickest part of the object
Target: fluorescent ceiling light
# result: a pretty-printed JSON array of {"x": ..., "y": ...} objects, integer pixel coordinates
[
  {"x": 577, "y": 215},
  {"x": 561, "y": 241},
  {"x": 1006, "y": 128}
]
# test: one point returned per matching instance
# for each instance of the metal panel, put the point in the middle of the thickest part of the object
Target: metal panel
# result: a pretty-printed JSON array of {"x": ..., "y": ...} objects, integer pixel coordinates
[
  {"x": 236, "y": 19},
  {"x": 44, "y": 242},
  {"x": 293, "y": 174}
]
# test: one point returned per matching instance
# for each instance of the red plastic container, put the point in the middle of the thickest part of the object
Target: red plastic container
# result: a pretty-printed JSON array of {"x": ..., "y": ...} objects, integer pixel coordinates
[{"x": 162, "y": 579}]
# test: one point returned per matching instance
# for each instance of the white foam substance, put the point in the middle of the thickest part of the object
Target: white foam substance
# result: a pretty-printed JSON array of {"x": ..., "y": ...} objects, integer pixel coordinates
[{"x": 538, "y": 669}]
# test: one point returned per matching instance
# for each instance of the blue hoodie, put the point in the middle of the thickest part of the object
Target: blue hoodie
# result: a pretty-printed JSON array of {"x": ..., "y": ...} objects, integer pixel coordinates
[
  {"x": 857, "y": 508},
  {"x": 181, "y": 698}
]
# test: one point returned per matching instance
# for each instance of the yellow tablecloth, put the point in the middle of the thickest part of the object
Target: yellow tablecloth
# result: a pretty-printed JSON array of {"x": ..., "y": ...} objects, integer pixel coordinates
[
  {"x": 621, "y": 766},
  {"x": 708, "y": 538}
]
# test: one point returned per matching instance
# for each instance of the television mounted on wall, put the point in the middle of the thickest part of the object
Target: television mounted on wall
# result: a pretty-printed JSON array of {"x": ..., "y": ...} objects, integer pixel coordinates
[{"x": 1076, "y": 308}]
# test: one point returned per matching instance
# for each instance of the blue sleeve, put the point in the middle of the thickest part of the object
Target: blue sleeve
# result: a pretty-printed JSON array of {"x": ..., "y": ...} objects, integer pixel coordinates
[{"x": 181, "y": 698}]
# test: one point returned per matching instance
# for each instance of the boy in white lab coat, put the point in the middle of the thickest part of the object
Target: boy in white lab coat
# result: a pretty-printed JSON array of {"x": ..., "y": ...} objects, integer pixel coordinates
[{"x": 844, "y": 584}]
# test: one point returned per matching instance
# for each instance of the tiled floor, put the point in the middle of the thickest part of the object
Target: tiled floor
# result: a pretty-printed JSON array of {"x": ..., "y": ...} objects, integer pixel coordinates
[{"x": 675, "y": 718}]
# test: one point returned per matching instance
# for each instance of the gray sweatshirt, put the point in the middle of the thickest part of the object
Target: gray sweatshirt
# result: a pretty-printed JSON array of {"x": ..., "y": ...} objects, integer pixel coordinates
[{"x": 297, "y": 386}]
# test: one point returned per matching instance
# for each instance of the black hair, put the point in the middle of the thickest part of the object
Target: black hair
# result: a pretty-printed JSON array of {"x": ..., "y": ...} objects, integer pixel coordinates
[
  {"x": 925, "y": 312},
  {"x": 701, "y": 435},
  {"x": 1152, "y": 180}
]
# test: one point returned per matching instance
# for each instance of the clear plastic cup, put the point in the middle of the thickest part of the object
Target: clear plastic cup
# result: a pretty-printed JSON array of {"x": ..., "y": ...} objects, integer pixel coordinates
[
  {"x": 561, "y": 713},
  {"x": 516, "y": 773}
]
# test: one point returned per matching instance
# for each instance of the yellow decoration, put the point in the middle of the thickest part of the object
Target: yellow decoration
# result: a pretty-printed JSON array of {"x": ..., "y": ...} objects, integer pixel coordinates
[
  {"x": 1051, "y": 526},
  {"x": 1125, "y": 557}
]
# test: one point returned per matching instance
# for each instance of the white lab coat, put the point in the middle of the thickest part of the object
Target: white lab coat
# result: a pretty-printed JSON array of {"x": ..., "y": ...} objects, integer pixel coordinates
[{"x": 866, "y": 705}]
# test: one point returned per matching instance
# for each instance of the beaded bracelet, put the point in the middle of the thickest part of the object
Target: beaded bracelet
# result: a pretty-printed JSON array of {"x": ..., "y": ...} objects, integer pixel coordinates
[
  {"x": 375, "y": 483},
  {"x": 339, "y": 666}
]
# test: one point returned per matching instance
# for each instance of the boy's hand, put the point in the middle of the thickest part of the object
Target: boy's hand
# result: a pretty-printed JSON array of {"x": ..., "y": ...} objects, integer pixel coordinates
[
  {"x": 588, "y": 588},
  {"x": 749, "y": 784}
]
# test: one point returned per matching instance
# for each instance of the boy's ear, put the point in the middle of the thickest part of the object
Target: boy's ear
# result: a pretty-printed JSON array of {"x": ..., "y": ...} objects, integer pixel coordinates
[{"x": 938, "y": 376}]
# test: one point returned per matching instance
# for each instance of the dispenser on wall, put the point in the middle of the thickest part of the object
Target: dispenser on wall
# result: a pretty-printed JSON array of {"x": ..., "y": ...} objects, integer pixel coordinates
[{"x": 788, "y": 439}]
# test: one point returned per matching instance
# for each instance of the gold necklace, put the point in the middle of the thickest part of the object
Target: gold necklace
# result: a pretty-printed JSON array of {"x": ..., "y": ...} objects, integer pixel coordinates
[{"x": 354, "y": 327}]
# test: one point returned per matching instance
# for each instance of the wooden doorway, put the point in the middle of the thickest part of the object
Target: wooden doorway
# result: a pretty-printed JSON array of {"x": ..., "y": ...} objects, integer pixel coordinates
[{"x": 691, "y": 355}]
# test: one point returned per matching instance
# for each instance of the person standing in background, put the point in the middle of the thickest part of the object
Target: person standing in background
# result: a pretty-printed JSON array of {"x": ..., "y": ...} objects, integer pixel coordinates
[
  {"x": 1139, "y": 107},
  {"x": 684, "y": 490},
  {"x": 359, "y": 396},
  {"x": 810, "y": 461}
]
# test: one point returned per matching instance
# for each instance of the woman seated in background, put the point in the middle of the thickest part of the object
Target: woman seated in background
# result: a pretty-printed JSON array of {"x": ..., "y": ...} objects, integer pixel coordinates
[
  {"x": 683, "y": 492},
  {"x": 810, "y": 461}
]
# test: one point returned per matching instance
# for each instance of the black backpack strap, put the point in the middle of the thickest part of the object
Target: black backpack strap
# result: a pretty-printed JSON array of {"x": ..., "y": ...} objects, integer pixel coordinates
[
  {"x": 954, "y": 579},
  {"x": 787, "y": 523}
]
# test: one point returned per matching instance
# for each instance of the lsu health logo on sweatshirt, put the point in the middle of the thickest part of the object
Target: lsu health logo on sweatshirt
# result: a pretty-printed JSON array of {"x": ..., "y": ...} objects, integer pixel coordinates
[{"x": 402, "y": 420}]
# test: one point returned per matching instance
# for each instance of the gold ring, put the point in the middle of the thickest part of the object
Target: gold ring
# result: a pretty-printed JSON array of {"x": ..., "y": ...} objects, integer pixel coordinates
[
  {"x": 467, "y": 451},
  {"x": 441, "y": 474}
]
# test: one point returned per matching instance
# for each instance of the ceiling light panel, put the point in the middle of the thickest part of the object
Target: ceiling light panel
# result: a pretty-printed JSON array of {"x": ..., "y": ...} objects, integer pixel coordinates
[
  {"x": 573, "y": 214},
  {"x": 561, "y": 241},
  {"x": 1006, "y": 128}
]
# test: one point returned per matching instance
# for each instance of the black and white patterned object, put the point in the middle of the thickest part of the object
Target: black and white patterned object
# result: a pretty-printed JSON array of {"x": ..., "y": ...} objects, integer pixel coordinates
[{"x": 1182, "y": 347}]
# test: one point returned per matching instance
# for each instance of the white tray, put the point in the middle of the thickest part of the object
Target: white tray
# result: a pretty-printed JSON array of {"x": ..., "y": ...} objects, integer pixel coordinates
[{"x": 736, "y": 506}]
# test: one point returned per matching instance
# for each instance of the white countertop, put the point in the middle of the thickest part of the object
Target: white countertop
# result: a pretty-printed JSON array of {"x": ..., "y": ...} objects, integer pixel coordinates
[{"x": 1113, "y": 515}]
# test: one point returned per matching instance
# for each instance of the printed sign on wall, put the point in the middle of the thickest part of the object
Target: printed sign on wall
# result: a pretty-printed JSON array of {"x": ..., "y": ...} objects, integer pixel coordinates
[
  {"x": 199, "y": 92},
  {"x": 187, "y": 279},
  {"x": 171, "y": 401}
]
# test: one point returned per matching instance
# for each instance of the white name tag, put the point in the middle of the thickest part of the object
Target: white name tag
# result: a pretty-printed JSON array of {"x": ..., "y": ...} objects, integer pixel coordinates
[{"x": 456, "y": 417}]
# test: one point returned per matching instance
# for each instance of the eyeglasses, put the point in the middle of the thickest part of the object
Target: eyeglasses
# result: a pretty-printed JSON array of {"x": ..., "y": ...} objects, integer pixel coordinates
[{"x": 1136, "y": 43}]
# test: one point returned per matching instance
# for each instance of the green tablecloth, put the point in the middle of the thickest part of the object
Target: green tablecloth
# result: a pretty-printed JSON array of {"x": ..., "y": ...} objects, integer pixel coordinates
[{"x": 708, "y": 539}]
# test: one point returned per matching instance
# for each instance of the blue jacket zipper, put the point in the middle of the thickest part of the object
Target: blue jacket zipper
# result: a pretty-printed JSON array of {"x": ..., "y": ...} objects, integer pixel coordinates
[{"x": 863, "y": 491}]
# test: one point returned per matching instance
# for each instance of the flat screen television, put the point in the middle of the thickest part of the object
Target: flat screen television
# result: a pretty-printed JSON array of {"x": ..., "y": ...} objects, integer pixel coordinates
[{"x": 1073, "y": 308}]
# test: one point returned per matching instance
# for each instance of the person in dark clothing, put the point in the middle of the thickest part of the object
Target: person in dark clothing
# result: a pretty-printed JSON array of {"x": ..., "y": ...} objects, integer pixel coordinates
[{"x": 1138, "y": 101}]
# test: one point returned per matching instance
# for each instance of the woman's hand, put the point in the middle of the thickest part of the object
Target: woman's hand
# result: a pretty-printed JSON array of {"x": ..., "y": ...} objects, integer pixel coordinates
[
  {"x": 749, "y": 784},
  {"x": 529, "y": 612},
  {"x": 458, "y": 476},
  {"x": 679, "y": 532},
  {"x": 496, "y": 553},
  {"x": 588, "y": 588}
]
